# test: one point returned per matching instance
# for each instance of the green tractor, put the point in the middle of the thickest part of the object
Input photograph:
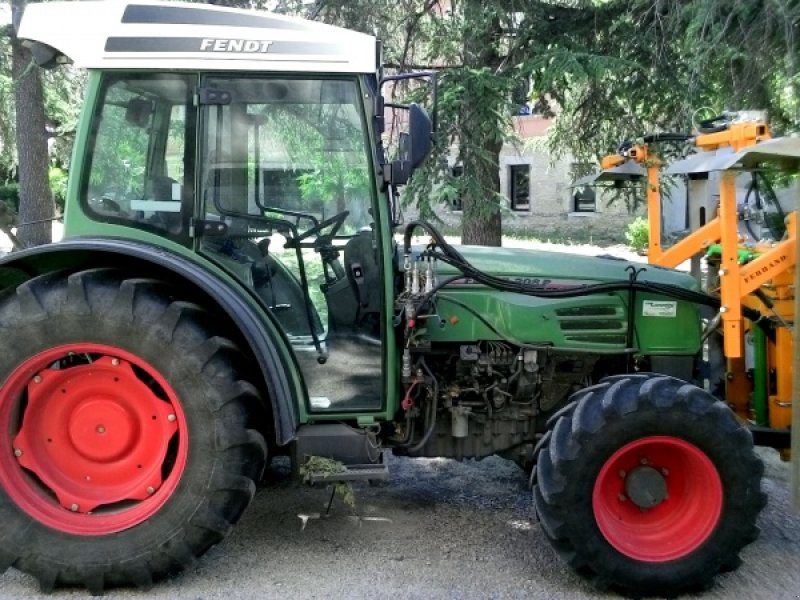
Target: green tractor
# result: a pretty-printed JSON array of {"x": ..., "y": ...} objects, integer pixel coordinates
[{"x": 233, "y": 285}]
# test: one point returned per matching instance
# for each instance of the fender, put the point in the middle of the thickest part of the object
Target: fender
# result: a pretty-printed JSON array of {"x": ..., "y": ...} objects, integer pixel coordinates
[{"x": 143, "y": 258}]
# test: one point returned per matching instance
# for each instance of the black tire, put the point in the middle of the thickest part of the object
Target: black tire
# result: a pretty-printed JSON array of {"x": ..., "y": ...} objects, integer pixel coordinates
[
  {"x": 218, "y": 450},
  {"x": 573, "y": 485}
]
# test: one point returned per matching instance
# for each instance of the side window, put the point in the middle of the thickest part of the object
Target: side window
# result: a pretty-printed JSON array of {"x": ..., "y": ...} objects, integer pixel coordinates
[
  {"x": 456, "y": 201},
  {"x": 519, "y": 186},
  {"x": 138, "y": 171},
  {"x": 120, "y": 156},
  {"x": 286, "y": 178},
  {"x": 583, "y": 198}
]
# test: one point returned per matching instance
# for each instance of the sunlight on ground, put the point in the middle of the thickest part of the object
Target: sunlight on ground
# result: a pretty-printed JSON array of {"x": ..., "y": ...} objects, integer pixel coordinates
[
  {"x": 5, "y": 243},
  {"x": 618, "y": 251},
  {"x": 520, "y": 525}
]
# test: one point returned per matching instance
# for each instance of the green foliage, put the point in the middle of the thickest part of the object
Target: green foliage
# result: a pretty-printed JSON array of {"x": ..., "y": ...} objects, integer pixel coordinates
[
  {"x": 650, "y": 65},
  {"x": 63, "y": 94},
  {"x": 58, "y": 185},
  {"x": 9, "y": 207},
  {"x": 638, "y": 234},
  {"x": 315, "y": 274},
  {"x": 750, "y": 52},
  {"x": 120, "y": 153},
  {"x": 475, "y": 105},
  {"x": 9, "y": 195},
  {"x": 63, "y": 91},
  {"x": 611, "y": 70},
  {"x": 475, "y": 101}
]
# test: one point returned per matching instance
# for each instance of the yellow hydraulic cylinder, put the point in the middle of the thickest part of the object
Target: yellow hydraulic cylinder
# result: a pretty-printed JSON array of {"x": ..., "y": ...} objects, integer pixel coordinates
[
  {"x": 780, "y": 405},
  {"x": 729, "y": 267},
  {"x": 654, "y": 210}
]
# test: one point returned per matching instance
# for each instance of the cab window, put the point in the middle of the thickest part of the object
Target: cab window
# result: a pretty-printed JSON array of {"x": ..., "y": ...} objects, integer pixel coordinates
[{"x": 140, "y": 165}]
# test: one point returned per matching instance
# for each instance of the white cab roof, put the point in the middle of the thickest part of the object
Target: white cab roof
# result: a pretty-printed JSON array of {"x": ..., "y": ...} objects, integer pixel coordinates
[{"x": 175, "y": 35}]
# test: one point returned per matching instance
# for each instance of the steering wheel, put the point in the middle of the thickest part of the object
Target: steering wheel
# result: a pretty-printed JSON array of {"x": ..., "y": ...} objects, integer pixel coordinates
[{"x": 334, "y": 223}]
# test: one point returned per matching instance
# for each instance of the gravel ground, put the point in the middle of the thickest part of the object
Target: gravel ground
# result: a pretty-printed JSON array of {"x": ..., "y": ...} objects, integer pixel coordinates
[{"x": 438, "y": 529}]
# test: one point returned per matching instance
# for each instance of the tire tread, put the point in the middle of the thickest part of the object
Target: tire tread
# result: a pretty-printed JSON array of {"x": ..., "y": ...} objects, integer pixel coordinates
[
  {"x": 239, "y": 451},
  {"x": 560, "y": 459}
]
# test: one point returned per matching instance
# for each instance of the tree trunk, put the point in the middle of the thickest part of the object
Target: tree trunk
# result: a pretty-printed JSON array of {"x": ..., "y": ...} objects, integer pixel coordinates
[
  {"x": 482, "y": 224},
  {"x": 480, "y": 145},
  {"x": 35, "y": 197}
]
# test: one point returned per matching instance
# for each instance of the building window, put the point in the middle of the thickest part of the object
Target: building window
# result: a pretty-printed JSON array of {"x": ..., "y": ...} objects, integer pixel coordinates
[
  {"x": 584, "y": 199},
  {"x": 519, "y": 188},
  {"x": 456, "y": 202}
]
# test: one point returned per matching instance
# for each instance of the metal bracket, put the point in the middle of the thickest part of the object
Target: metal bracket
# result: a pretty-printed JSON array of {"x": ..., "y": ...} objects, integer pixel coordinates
[{"x": 378, "y": 472}]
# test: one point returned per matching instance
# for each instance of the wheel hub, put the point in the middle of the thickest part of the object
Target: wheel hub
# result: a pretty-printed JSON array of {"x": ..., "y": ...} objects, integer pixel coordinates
[
  {"x": 95, "y": 434},
  {"x": 101, "y": 430},
  {"x": 646, "y": 487},
  {"x": 657, "y": 499}
]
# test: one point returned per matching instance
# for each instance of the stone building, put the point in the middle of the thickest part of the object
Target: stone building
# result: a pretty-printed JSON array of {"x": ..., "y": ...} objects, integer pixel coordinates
[{"x": 540, "y": 201}]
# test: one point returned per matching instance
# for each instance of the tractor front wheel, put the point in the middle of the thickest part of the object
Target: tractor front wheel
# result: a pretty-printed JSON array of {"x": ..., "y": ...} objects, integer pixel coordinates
[
  {"x": 129, "y": 444},
  {"x": 648, "y": 484}
]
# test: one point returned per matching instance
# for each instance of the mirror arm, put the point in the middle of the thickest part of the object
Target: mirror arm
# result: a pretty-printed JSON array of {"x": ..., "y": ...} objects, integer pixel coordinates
[
  {"x": 406, "y": 76},
  {"x": 396, "y": 172}
]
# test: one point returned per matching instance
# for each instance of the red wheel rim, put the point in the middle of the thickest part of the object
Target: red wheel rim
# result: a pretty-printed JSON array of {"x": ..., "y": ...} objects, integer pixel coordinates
[
  {"x": 96, "y": 439},
  {"x": 680, "y": 521}
]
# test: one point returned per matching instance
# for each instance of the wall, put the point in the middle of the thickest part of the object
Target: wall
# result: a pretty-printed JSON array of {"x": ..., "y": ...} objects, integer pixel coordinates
[{"x": 550, "y": 212}]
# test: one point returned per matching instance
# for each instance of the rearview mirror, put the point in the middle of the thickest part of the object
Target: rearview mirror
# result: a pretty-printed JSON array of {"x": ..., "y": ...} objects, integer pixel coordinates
[
  {"x": 420, "y": 130},
  {"x": 138, "y": 112},
  {"x": 414, "y": 147}
]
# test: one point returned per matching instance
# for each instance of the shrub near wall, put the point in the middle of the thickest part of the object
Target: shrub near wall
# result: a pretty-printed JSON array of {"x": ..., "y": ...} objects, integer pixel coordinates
[
  {"x": 638, "y": 235},
  {"x": 9, "y": 195},
  {"x": 9, "y": 192}
]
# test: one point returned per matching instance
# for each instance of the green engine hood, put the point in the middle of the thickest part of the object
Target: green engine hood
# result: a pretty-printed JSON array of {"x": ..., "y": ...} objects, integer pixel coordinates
[
  {"x": 561, "y": 267},
  {"x": 601, "y": 322}
]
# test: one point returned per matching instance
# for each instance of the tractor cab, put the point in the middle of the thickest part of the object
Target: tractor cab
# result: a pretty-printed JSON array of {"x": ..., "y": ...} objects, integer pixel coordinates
[
  {"x": 257, "y": 146},
  {"x": 270, "y": 178}
]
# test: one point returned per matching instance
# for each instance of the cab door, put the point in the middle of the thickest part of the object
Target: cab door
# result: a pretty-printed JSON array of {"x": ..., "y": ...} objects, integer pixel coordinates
[{"x": 286, "y": 187}]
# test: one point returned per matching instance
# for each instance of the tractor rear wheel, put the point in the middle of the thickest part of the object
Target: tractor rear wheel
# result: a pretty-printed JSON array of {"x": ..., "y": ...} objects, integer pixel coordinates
[
  {"x": 648, "y": 484},
  {"x": 129, "y": 444}
]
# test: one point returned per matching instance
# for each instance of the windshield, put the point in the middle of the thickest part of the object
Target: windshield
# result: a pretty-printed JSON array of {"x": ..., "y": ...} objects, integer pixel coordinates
[{"x": 291, "y": 149}]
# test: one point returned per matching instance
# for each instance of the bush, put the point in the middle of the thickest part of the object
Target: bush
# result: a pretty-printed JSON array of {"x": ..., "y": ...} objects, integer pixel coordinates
[
  {"x": 9, "y": 195},
  {"x": 58, "y": 185},
  {"x": 57, "y": 179},
  {"x": 638, "y": 234}
]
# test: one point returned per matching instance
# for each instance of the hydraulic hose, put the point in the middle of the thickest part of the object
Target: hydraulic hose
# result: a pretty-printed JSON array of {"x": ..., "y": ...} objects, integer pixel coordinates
[
  {"x": 449, "y": 255},
  {"x": 433, "y": 410}
]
